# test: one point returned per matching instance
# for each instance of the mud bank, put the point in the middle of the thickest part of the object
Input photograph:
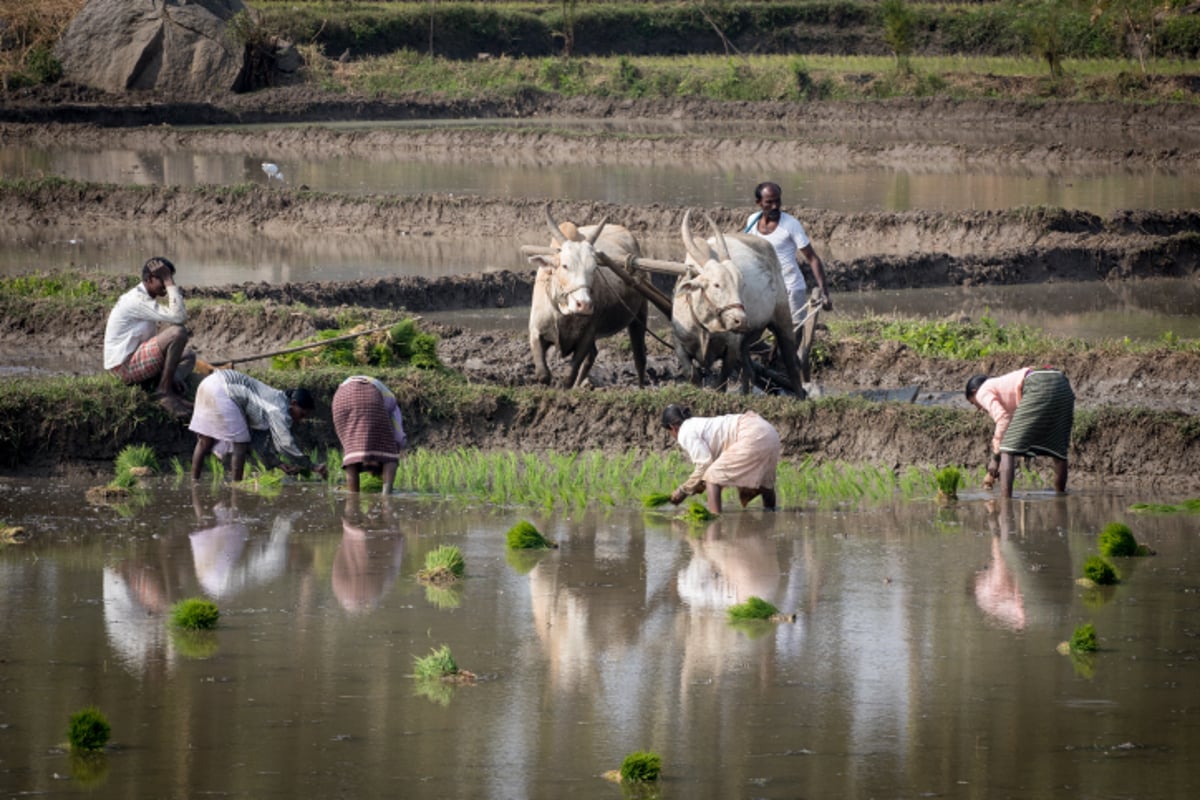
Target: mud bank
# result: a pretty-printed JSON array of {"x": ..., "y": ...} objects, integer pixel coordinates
[{"x": 906, "y": 250}]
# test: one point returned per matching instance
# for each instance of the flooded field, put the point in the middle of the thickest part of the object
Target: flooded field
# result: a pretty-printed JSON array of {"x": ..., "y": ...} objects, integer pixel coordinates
[{"x": 921, "y": 662}]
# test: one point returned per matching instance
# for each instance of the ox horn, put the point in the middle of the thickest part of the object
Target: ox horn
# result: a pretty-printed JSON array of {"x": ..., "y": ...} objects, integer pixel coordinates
[
  {"x": 555, "y": 233},
  {"x": 688, "y": 242},
  {"x": 722, "y": 249},
  {"x": 596, "y": 234}
]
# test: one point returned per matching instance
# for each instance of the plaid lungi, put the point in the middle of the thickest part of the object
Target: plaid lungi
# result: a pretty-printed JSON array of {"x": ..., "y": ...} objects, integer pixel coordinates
[
  {"x": 363, "y": 424},
  {"x": 143, "y": 364},
  {"x": 751, "y": 460},
  {"x": 1043, "y": 419}
]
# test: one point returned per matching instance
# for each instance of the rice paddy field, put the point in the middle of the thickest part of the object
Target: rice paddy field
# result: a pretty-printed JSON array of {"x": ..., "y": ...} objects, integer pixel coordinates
[{"x": 922, "y": 658}]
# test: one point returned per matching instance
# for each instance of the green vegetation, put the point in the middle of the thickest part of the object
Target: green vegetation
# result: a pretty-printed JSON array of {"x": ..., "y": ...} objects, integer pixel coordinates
[
  {"x": 656, "y": 499},
  {"x": 403, "y": 343},
  {"x": 89, "y": 729},
  {"x": 697, "y": 512},
  {"x": 1083, "y": 640},
  {"x": 640, "y": 767},
  {"x": 195, "y": 614},
  {"x": 443, "y": 564},
  {"x": 438, "y": 664},
  {"x": 1189, "y": 506},
  {"x": 1116, "y": 540},
  {"x": 133, "y": 462},
  {"x": 524, "y": 536},
  {"x": 948, "y": 480},
  {"x": 1100, "y": 571},
  {"x": 755, "y": 608}
]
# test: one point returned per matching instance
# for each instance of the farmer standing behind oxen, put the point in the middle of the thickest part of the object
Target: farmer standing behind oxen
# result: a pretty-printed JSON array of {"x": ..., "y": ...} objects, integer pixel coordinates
[
  {"x": 230, "y": 405},
  {"x": 135, "y": 350},
  {"x": 1034, "y": 410},
  {"x": 739, "y": 450},
  {"x": 787, "y": 236},
  {"x": 367, "y": 419}
]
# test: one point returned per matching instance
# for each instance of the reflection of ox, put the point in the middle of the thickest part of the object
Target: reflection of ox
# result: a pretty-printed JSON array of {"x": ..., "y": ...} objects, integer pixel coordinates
[
  {"x": 732, "y": 292},
  {"x": 576, "y": 301}
]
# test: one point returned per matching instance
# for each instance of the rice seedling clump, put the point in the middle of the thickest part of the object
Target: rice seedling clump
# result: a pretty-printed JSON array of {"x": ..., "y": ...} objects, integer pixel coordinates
[
  {"x": 195, "y": 614},
  {"x": 133, "y": 462},
  {"x": 442, "y": 565},
  {"x": 641, "y": 767},
  {"x": 88, "y": 729},
  {"x": 656, "y": 499},
  {"x": 753, "y": 608},
  {"x": 403, "y": 343},
  {"x": 1100, "y": 571},
  {"x": 697, "y": 512},
  {"x": 438, "y": 664},
  {"x": 948, "y": 480},
  {"x": 1117, "y": 540},
  {"x": 524, "y": 536},
  {"x": 1083, "y": 640}
]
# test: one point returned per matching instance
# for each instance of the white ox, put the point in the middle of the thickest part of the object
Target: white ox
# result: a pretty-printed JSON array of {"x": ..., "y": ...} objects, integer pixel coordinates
[
  {"x": 576, "y": 301},
  {"x": 732, "y": 292}
]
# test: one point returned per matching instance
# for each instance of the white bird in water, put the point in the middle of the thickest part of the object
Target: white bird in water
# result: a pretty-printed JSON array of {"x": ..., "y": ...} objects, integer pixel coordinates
[{"x": 272, "y": 171}]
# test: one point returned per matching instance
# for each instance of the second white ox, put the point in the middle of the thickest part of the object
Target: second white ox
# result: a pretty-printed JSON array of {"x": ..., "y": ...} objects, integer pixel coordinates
[
  {"x": 576, "y": 301},
  {"x": 732, "y": 292}
]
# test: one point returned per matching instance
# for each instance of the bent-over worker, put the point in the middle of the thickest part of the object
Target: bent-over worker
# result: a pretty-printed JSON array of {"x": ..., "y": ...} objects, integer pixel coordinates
[
  {"x": 739, "y": 450},
  {"x": 135, "y": 350},
  {"x": 1034, "y": 409},
  {"x": 370, "y": 427},
  {"x": 231, "y": 406}
]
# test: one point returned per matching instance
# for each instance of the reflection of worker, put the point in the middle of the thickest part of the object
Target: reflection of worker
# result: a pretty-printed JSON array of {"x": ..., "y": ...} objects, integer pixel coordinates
[
  {"x": 365, "y": 566},
  {"x": 230, "y": 404},
  {"x": 728, "y": 569},
  {"x": 369, "y": 426},
  {"x": 739, "y": 450},
  {"x": 1034, "y": 410},
  {"x": 997, "y": 592},
  {"x": 787, "y": 236},
  {"x": 227, "y": 560},
  {"x": 135, "y": 350}
]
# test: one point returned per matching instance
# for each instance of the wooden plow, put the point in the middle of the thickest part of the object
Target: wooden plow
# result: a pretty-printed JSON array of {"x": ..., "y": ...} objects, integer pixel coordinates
[{"x": 206, "y": 368}]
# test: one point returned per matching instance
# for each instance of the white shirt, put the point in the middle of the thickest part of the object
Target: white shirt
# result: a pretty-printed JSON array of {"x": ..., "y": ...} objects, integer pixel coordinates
[
  {"x": 704, "y": 439},
  {"x": 788, "y": 238},
  {"x": 135, "y": 318}
]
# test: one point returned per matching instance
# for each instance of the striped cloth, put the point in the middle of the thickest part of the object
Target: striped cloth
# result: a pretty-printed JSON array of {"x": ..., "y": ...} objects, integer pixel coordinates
[
  {"x": 1043, "y": 419},
  {"x": 364, "y": 422},
  {"x": 143, "y": 364}
]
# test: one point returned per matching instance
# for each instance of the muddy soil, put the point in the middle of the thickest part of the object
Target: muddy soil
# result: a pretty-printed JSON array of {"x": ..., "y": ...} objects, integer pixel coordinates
[{"x": 906, "y": 250}]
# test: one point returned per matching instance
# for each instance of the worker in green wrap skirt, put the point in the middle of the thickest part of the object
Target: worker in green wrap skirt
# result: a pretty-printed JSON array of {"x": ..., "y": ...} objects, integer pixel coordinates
[{"x": 1034, "y": 409}]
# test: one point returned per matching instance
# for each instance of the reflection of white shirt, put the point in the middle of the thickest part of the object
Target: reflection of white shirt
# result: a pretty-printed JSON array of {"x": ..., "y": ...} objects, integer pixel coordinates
[
  {"x": 788, "y": 238},
  {"x": 135, "y": 318}
]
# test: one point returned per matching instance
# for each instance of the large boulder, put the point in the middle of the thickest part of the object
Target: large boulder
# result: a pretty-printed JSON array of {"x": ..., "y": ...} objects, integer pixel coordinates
[{"x": 179, "y": 47}]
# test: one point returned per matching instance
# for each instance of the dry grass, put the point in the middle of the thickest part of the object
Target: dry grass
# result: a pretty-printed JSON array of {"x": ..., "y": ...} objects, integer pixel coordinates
[{"x": 29, "y": 25}]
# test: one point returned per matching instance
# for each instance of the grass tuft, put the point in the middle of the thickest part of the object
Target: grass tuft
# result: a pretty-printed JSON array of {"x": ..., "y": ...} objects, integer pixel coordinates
[
  {"x": 195, "y": 614},
  {"x": 1116, "y": 540},
  {"x": 438, "y": 664},
  {"x": 753, "y": 608},
  {"x": 88, "y": 729},
  {"x": 1100, "y": 571},
  {"x": 524, "y": 536},
  {"x": 1083, "y": 640},
  {"x": 641, "y": 767}
]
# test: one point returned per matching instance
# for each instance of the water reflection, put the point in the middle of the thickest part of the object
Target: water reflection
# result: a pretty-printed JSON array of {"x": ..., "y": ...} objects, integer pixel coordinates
[
  {"x": 369, "y": 555},
  {"x": 895, "y": 680}
]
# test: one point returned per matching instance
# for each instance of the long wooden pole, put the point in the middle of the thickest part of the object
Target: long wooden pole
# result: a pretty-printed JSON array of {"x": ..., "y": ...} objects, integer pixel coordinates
[{"x": 230, "y": 362}]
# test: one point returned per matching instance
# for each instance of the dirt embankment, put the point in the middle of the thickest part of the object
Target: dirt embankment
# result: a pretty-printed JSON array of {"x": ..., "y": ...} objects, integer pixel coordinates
[{"x": 1152, "y": 436}]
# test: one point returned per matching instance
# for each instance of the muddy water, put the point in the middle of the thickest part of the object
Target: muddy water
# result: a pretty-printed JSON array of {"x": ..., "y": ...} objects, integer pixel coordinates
[
  {"x": 921, "y": 662},
  {"x": 848, "y": 188}
]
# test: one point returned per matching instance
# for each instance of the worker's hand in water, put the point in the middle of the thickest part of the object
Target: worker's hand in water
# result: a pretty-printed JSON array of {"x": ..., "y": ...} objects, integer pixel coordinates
[
  {"x": 989, "y": 481},
  {"x": 677, "y": 497}
]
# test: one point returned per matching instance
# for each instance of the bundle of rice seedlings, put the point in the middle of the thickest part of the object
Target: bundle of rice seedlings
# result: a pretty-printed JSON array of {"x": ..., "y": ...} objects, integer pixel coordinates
[
  {"x": 655, "y": 499},
  {"x": 697, "y": 512},
  {"x": 440, "y": 665},
  {"x": 641, "y": 766},
  {"x": 1099, "y": 571},
  {"x": 1117, "y": 540},
  {"x": 948, "y": 480},
  {"x": 195, "y": 614},
  {"x": 442, "y": 565},
  {"x": 753, "y": 608},
  {"x": 523, "y": 536}
]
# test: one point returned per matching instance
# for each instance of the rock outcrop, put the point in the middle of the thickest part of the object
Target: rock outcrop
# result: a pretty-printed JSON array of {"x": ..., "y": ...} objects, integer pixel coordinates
[{"x": 183, "y": 48}]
